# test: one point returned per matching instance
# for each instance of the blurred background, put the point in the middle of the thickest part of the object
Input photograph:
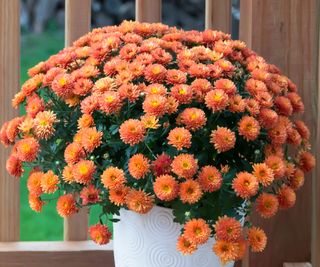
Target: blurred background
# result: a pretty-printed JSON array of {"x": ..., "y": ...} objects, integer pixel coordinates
[{"x": 42, "y": 35}]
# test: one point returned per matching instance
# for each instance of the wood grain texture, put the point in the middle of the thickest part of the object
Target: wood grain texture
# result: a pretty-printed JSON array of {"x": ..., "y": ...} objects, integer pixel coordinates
[
  {"x": 148, "y": 10},
  {"x": 284, "y": 33},
  {"x": 306, "y": 264},
  {"x": 9, "y": 85},
  {"x": 77, "y": 23},
  {"x": 51, "y": 254},
  {"x": 218, "y": 15}
]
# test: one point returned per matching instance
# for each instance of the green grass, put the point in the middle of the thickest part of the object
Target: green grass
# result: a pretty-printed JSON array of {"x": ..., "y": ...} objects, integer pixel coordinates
[{"x": 46, "y": 225}]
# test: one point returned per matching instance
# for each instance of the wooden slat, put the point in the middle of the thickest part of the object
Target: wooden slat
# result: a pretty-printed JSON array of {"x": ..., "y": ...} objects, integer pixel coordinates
[
  {"x": 9, "y": 85},
  {"x": 148, "y": 10},
  {"x": 51, "y": 254},
  {"x": 284, "y": 32},
  {"x": 218, "y": 15},
  {"x": 77, "y": 23},
  {"x": 306, "y": 264}
]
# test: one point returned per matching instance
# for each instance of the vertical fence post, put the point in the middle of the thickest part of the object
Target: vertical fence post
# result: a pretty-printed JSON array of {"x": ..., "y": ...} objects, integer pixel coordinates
[
  {"x": 285, "y": 33},
  {"x": 218, "y": 15},
  {"x": 9, "y": 85},
  {"x": 148, "y": 10},
  {"x": 77, "y": 23}
]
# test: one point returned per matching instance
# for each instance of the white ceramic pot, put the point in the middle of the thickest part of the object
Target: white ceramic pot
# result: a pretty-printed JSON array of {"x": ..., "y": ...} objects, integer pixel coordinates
[{"x": 150, "y": 241}]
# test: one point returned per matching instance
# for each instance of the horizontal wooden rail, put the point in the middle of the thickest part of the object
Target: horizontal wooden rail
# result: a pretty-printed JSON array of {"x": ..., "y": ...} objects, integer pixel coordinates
[{"x": 51, "y": 254}]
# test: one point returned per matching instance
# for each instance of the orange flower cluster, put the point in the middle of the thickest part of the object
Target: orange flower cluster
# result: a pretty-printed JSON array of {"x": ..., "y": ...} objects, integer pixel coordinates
[{"x": 139, "y": 114}]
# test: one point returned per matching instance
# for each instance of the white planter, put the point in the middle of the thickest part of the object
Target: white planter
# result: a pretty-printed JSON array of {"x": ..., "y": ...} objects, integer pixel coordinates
[{"x": 150, "y": 241}]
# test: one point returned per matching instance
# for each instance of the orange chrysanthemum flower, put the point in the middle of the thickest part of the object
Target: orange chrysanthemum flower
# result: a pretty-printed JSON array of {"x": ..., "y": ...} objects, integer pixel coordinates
[
  {"x": 225, "y": 250},
  {"x": 166, "y": 187},
  {"x": 34, "y": 183},
  {"x": 27, "y": 149},
  {"x": 185, "y": 165},
  {"x": 138, "y": 166},
  {"x": 257, "y": 239},
  {"x": 245, "y": 185},
  {"x": 283, "y": 105},
  {"x": 3, "y": 135},
  {"x": 100, "y": 234},
  {"x": 182, "y": 92},
  {"x": 296, "y": 102},
  {"x": 113, "y": 177},
  {"x": 14, "y": 166},
  {"x": 12, "y": 128},
  {"x": 210, "y": 179},
  {"x": 278, "y": 134},
  {"x": 306, "y": 161},
  {"x": 216, "y": 100},
  {"x": 139, "y": 201},
  {"x": 193, "y": 118},
  {"x": 185, "y": 246},
  {"x": 237, "y": 104},
  {"x": 226, "y": 85},
  {"x": 197, "y": 231},
  {"x": 34, "y": 105},
  {"x": 176, "y": 76},
  {"x": 277, "y": 165},
  {"x": 67, "y": 175},
  {"x": 35, "y": 202},
  {"x": 110, "y": 102},
  {"x": 73, "y": 153},
  {"x": 66, "y": 205},
  {"x": 223, "y": 139},
  {"x": 263, "y": 173},
  {"x": 227, "y": 228},
  {"x": 179, "y": 138},
  {"x": 296, "y": 179},
  {"x": 117, "y": 195},
  {"x": 150, "y": 121},
  {"x": 83, "y": 171},
  {"x": 132, "y": 132},
  {"x": 43, "y": 124},
  {"x": 49, "y": 182},
  {"x": 91, "y": 139},
  {"x": 302, "y": 129},
  {"x": 156, "y": 89},
  {"x": 155, "y": 105},
  {"x": 85, "y": 121},
  {"x": 190, "y": 191},
  {"x": 89, "y": 194},
  {"x": 155, "y": 73},
  {"x": 267, "y": 205},
  {"x": 286, "y": 197},
  {"x": 249, "y": 128}
]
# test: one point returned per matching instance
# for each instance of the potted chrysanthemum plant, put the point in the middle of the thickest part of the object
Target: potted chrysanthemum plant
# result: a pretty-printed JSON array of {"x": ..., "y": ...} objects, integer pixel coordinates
[{"x": 178, "y": 134}]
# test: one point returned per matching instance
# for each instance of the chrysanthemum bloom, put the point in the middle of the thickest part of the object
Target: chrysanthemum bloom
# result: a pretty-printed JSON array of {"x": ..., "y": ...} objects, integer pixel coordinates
[
  {"x": 27, "y": 149},
  {"x": 12, "y": 128},
  {"x": 225, "y": 250},
  {"x": 31, "y": 85},
  {"x": 263, "y": 173},
  {"x": 190, "y": 191},
  {"x": 278, "y": 134},
  {"x": 49, "y": 182},
  {"x": 3, "y": 135},
  {"x": 302, "y": 129},
  {"x": 241, "y": 245},
  {"x": 155, "y": 105},
  {"x": 14, "y": 166},
  {"x": 103, "y": 85},
  {"x": 34, "y": 105},
  {"x": 100, "y": 234},
  {"x": 267, "y": 205},
  {"x": 197, "y": 231},
  {"x": 110, "y": 102},
  {"x": 85, "y": 121},
  {"x": 83, "y": 171},
  {"x": 18, "y": 99},
  {"x": 62, "y": 85},
  {"x": 161, "y": 165},
  {"x": 43, "y": 124},
  {"x": 296, "y": 102},
  {"x": 184, "y": 246},
  {"x": 91, "y": 139},
  {"x": 226, "y": 85},
  {"x": 34, "y": 183},
  {"x": 150, "y": 122},
  {"x": 223, "y": 139},
  {"x": 252, "y": 106},
  {"x": 277, "y": 165},
  {"x": 182, "y": 92},
  {"x": 82, "y": 86},
  {"x": 283, "y": 105},
  {"x": 293, "y": 137},
  {"x": 66, "y": 205},
  {"x": 257, "y": 239},
  {"x": 237, "y": 104},
  {"x": 26, "y": 126},
  {"x": 35, "y": 202},
  {"x": 193, "y": 118},
  {"x": 210, "y": 179},
  {"x": 166, "y": 187},
  {"x": 156, "y": 89},
  {"x": 216, "y": 100},
  {"x": 185, "y": 165},
  {"x": 89, "y": 194},
  {"x": 172, "y": 105},
  {"x": 180, "y": 138},
  {"x": 306, "y": 161},
  {"x": 245, "y": 185},
  {"x": 113, "y": 177},
  {"x": 132, "y": 132},
  {"x": 89, "y": 104},
  {"x": 73, "y": 153},
  {"x": 296, "y": 179},
  {"x": 249, "y": 128},
  {"x": 155, "y": 73},
  {"x": 139, "y": 201},
  {"x": 138, "y": 166},
  {"x": 117, "y": 195},
  {"x": 200, "y": 88},
  {"x": 286, "y": 197},
  {"x": 67, "y": 175},
  {"x": 228, "y": 228}
]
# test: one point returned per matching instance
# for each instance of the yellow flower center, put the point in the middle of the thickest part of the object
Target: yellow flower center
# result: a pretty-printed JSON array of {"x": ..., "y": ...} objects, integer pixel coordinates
[{"x": 63, "y": 81}]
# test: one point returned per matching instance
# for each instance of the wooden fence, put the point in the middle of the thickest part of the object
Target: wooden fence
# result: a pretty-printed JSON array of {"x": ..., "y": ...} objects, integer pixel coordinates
[{"x": 285, "y": 32}]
